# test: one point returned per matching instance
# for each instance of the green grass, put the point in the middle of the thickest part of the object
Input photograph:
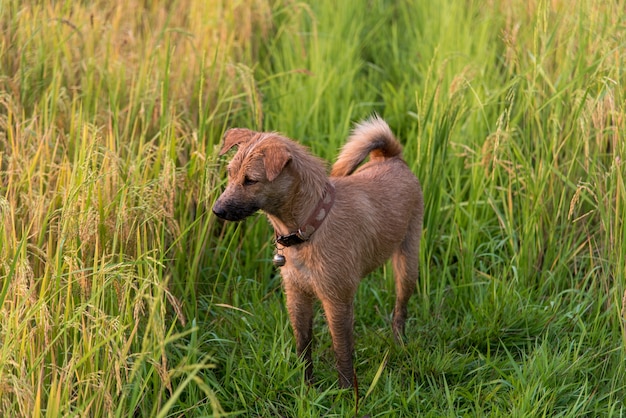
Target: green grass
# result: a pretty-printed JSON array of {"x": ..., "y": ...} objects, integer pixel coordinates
[{"x": 122, "y": 295}]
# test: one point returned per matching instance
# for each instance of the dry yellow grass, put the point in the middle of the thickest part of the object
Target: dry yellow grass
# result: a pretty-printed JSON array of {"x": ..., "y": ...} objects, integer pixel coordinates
[{"x": 102, "y": 104}]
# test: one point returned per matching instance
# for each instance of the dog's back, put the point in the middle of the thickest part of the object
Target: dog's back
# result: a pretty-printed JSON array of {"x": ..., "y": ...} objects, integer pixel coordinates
[{"x": 372, "y": 137}]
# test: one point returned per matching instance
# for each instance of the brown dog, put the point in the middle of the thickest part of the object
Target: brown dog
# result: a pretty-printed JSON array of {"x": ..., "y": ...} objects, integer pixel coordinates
[{"x": 330, "y": 231}]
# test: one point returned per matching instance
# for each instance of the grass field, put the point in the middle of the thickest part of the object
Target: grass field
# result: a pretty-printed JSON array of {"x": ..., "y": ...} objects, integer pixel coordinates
[{"x": 122, "y": 295}]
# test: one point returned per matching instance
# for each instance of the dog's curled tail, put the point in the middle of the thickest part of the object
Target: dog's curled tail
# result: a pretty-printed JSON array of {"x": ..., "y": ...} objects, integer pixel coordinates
[{"x": 372, "y": 136}]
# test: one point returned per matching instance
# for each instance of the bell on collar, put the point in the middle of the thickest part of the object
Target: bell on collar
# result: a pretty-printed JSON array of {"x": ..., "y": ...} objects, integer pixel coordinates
[{"x": 279, "y": 260}]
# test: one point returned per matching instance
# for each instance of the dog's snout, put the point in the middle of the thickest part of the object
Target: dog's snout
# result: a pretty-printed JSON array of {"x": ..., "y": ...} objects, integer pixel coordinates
[
  {"x": 229, "y": 211},
  {"x": 219, "y": 211}
]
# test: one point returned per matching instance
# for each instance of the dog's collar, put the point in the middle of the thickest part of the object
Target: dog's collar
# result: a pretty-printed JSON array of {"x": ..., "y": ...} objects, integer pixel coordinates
[{"x": 314, "y": 221}]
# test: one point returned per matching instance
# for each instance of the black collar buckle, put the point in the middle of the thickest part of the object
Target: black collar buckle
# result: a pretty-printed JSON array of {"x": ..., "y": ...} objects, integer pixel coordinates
[{"x": 294, "y": 238}]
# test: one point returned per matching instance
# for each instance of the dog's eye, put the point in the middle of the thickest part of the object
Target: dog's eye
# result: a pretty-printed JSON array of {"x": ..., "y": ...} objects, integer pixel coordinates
[{"x": 247, "y": 181}]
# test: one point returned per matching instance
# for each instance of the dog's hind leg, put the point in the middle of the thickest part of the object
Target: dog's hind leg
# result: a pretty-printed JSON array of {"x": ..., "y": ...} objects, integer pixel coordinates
[
  {"x": 300, "y": 308},
  {"x": 406, "y": 271}
]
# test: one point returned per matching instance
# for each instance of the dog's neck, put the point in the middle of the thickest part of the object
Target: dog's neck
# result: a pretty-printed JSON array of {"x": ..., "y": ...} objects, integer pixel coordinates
[{"x": 297, "y": 222}]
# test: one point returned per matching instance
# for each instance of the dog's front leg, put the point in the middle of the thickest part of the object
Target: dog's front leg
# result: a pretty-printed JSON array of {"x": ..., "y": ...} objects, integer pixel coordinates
[
  {"x": 340, "y": 317},
  {"x": 300, "y": 308}
]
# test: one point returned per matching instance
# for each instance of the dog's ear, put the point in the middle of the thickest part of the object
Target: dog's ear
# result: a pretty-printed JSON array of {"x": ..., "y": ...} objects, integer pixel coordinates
[
  {"x": 275, "y": 158},
  {"x": 236, "y": 136}
]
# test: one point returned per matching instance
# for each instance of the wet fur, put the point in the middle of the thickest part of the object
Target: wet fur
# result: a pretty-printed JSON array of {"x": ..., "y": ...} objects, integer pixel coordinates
[{"x": 377, "y": 215}]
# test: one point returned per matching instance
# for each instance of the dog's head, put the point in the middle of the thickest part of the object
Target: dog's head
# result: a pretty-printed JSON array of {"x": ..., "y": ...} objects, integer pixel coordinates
[{"x": 255, "y": 173}]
